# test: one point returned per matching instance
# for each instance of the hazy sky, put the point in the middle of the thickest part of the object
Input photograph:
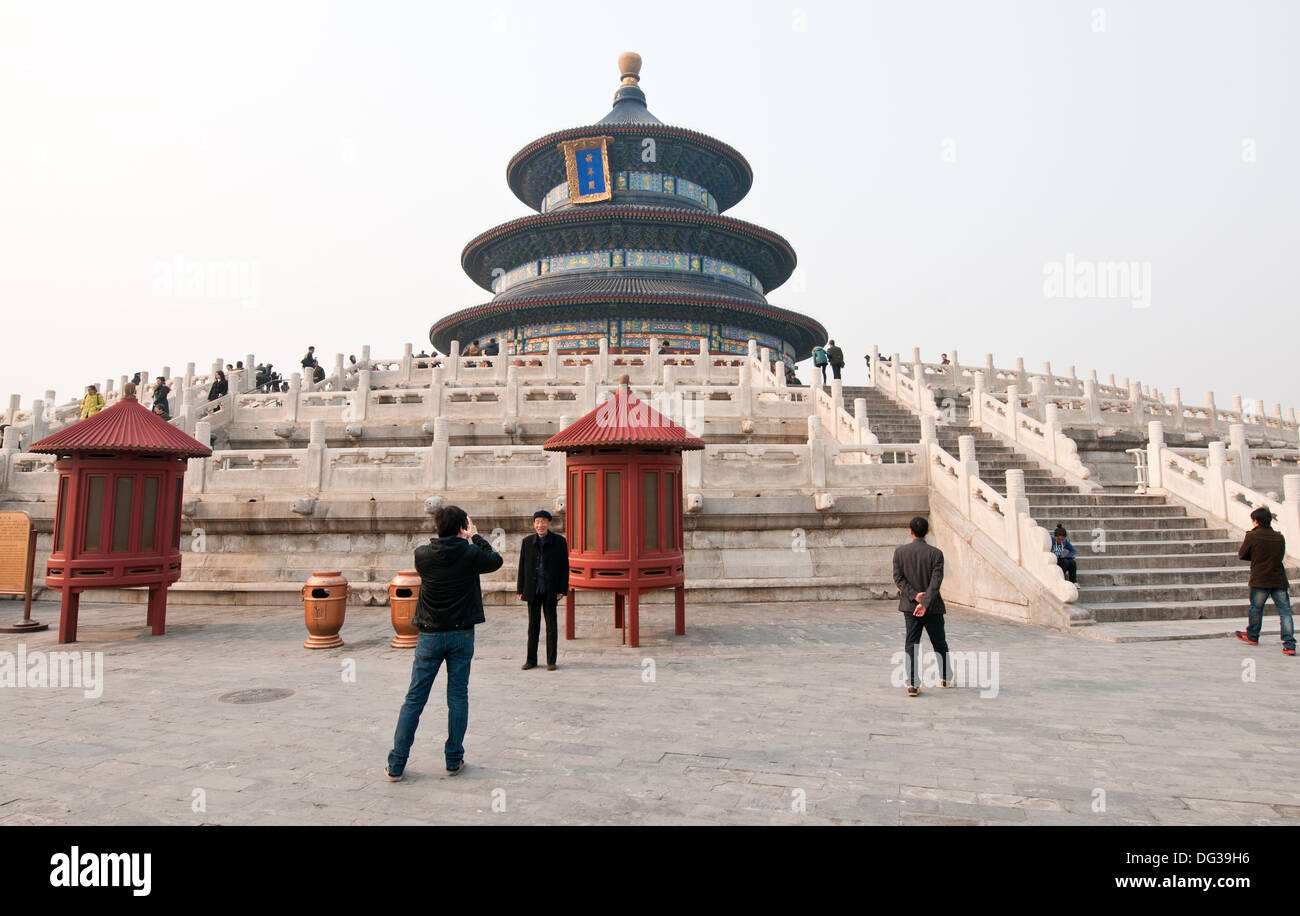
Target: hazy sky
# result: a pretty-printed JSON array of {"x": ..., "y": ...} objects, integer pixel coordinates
[{"x": 185, "y": 181}]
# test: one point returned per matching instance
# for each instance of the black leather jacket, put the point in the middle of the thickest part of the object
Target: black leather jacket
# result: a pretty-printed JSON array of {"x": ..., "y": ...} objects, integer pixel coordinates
[{"x": 449, "y": 568}]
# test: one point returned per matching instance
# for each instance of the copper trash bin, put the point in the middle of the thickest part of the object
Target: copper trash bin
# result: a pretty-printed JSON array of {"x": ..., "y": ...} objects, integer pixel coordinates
[
  {"x": 324, "y": 599},
  {"x": 403, "y": 598}
]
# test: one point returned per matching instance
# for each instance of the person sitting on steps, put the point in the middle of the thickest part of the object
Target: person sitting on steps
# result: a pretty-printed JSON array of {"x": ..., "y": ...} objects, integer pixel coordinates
[{"x": 1065, "y": 554}]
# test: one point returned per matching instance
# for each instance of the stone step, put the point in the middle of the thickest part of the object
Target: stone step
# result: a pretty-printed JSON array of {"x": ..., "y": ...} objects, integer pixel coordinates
[
  {"x": 1101, "y": 499},
  {"x": 1111, "y": 561},
  {"x": 1121, "y": 522},
  {"x": 1134, "y": 611},
  {"x": 1168, "y": 594},
  {"x": 1208, "y": 546},
  {"x": 1165, "y": 576},
  {"x": 1115, "y": 536},
  {"x": 1040, "y": 509}
]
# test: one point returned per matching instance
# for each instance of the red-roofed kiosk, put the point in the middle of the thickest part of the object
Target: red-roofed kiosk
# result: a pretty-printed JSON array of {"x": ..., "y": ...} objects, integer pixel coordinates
[
  {"x": 118, "y": 518},
  {"x": 623, "y": 507}
]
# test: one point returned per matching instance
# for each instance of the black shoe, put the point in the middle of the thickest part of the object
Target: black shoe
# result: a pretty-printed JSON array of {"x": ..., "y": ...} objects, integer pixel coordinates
[
  {"x": 460, "y": 766},
  {"x": 913, "y": 691},
  {"x": 550, "y": 666},
  {"x": 527, "y": 665},
  {"x": 390, "y": 777}
]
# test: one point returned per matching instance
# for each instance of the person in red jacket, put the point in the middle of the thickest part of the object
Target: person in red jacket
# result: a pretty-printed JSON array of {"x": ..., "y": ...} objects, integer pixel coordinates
[{"x": 1266, "y": 551}]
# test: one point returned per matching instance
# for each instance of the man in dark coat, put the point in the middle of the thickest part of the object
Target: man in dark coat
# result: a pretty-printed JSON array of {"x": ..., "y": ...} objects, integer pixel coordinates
[
  {"x": 918, "y": 571},
  {"x": 451, "y": 604},
  {"x": 543, "y": 575},
  {"x": 1265, "y": 548},
  {"x": 835, "y": 357}
]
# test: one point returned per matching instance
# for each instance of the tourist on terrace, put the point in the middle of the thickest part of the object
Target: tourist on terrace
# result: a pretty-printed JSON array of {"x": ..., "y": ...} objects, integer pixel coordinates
[
  {"x": 450, "y": 605},
  {"x": 92, "y": 403},
  {"x": 309, "y": 359},
  {"x": 918, "y": 572},
  {"x": 943, "y": 359},
  {"x": 317, "y": 373},
  {"x": 835, "y": 356},
  {"x": 791, "y": 379},
  {"x": 819, "y": 366},
  {"x": 543, "y": 576},
  {"x": 160, "y": 409},
  {"x": 1265, "y": 548},
  {"x": 1065, "y": 553},
  {"x": 473, "y": 350},
  {"x": 219, "y": 386},
  {"x": 160, "y": 392}
]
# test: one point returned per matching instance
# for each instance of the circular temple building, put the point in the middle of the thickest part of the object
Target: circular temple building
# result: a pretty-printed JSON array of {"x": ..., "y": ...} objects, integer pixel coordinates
[{"x": 629, "y": 243}]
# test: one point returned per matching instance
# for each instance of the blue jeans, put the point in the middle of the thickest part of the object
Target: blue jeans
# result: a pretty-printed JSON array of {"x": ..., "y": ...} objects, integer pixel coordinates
[
  {"x": 457, "y": 647},
  {"x": 1258, "y": 597}
]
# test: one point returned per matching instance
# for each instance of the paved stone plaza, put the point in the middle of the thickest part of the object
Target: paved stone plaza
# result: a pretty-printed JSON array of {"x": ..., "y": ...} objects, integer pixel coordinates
[{"x": 754, "y": 712}]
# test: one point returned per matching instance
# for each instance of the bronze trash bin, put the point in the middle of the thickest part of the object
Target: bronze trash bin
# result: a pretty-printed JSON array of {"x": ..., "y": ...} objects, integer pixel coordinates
[
  {"x": 324, "y": 601},
  {"x": 403, "y": 598}
]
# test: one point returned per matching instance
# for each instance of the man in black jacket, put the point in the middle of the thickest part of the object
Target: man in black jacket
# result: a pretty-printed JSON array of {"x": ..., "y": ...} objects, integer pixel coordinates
[
  {"x": 835, "y": 357},
  {"x": 543, "y": 575},
  {"x": 451, "y": 603},
  {"x": 918, "y": 571}
]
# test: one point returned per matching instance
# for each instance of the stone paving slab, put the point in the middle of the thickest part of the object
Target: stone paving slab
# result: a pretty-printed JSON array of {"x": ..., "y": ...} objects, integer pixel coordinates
[{"x": 763, "y": 715}]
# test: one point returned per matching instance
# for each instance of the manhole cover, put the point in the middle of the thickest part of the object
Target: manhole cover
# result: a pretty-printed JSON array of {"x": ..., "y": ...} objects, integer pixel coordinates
[{"x": 256, "y": 695}]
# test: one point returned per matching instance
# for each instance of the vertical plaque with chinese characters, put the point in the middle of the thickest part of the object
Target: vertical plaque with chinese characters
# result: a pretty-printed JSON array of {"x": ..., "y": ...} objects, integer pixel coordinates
[{"x": 587, "y": 163}]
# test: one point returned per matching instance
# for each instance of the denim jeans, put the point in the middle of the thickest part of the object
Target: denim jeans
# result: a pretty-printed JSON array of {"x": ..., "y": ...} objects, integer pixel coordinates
[
  {"x": 457, "y": 647},
  {"x": 1258, "y": 598}
]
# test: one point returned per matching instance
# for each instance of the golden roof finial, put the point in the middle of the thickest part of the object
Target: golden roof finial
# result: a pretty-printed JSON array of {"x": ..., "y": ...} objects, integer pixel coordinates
[{"x": 629, "y": 66}]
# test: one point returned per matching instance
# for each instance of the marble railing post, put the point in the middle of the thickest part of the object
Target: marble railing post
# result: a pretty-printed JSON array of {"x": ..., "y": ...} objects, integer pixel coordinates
[
  {"x": 765, "y": 360},
  {"x": 780, "y": 379},
  {"x": 1013, "y": 411},
  {"x": 816, "y": 452},
  {"x": 40, "y": 425},
  {"x": 1137, "y": 409},
  {"x": 189, "y": 398},
  {"x": 704, "y": 363},
  {"x": 1110, "y": 380},
  {"x": 916, "y": 355},
  {"x": 655, "y": 360},
  {"x": 197, "y": 469},
  {"x": 1241, "y": 453},
  {"x": 746, "y": 386},
  {"x": 1177, "y": 422},
  {"x": 340, "y": 373},
  {"x": 1022, "y": 380},
  {"x": 875, "y": 361},
  {"x": 361, "y": 397},
  {"x": 176, "y": 397},
  {"x": 670, "y": 379},
  {"x": 954, "y": 370},
  {"x": 437, "y": 391},
  {"x": 407, "y": 350},
  {"x": 1289, "y": 523},
  {"x": 895, "y": 369},
  {"x": 1017, "y": 503},
  {"x": 1091, "y": 405},
  {"x": 295, "y": 396},
  {"x": 990, "y": 373},
  {"x": 1155, "y": 460},
  {"x": 1052, "y": 428},
  {"x": 249, "y": 365},
  {"x": 837, "y": 393},
  {"x": 1037, "y": 399},
  {"x": 438, "y": 455},
  {"x": 452, "y": 362},
  {"x": 1074, "y": 379},
  {"x": 602, "y": 362},
  {"x": 15, "y": 403},
  {"x": 365, "y": 356},
  {"x": 751, "y": 348},
  {"x": 861, "y": 426},
  {"x": 1049, "y": 382},
  {"x": 316, "y": 456},
  {"x": 552, "y": 358},
  {"x": 189, "y": 375},
  {"x": 967, "y": 469},
  {"x": 590, "y": 395},
  {"x": 976, "y": 397},
  {"x": 512, "y": 394},
  {"x": 929, "y": 434}
]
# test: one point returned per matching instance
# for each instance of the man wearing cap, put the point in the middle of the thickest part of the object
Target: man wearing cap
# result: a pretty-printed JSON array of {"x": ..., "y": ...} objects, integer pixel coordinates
[{"x": 543, "y": 576}]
